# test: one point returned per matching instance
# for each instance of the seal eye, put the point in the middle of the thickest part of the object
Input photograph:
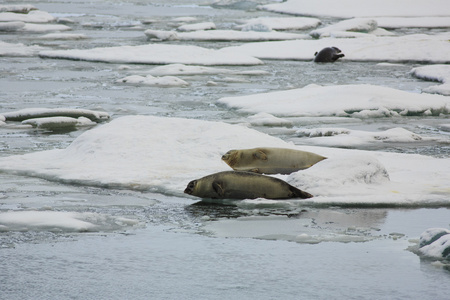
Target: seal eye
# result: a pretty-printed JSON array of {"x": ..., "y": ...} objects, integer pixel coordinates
[{"x": 192, "y": 184}]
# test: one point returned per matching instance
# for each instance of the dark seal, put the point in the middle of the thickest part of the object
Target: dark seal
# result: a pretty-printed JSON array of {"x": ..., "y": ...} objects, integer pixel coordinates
[{"x": 329, "y": 54}]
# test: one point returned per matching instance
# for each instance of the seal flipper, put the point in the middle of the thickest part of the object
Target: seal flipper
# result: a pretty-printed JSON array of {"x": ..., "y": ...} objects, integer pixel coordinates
[
  {"x": 217, "y": 187},
  {"x": 297, "y": 193},
  {"x": 260, "y": 155}
]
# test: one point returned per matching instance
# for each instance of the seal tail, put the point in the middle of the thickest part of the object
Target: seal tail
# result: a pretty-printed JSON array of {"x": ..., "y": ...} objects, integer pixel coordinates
[{"x": 297, "y": 193}]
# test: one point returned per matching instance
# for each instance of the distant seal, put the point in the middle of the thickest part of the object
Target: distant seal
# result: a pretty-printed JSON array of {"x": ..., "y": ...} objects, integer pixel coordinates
[
  {"x": 243, "y": 185},
  {"x": 329, "y": 54},
  {"x": 270, "y": 160}
]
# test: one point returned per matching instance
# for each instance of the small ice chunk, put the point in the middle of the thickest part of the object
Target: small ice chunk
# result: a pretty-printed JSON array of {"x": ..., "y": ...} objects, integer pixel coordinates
[
  {"x": 31, "y": 113},
  {"x": 164, "y": 81}
]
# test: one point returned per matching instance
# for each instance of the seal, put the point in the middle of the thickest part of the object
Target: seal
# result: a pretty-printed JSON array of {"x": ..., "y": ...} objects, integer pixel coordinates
[
  {"x": 243, "y": 185},
  {"x": 329, "y": 54},
  {"x": 270, "y": 160}
]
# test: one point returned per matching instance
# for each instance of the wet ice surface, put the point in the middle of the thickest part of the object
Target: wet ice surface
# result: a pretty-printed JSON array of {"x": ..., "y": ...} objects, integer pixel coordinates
[{"x": 174, "y": 246}]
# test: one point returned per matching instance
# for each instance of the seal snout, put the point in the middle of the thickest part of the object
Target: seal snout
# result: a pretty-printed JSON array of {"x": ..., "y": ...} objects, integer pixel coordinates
[{"x": 190, "y": 187}]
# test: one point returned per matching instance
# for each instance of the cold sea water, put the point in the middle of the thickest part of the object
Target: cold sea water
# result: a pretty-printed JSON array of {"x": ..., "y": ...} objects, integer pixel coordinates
[{"x": 156, "y": 246}]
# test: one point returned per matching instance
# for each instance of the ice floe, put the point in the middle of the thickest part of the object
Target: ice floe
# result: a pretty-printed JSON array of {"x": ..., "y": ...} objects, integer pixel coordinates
[
  {"x": 54, "y": 123},
  {"x": 360, "y": 101},
  {"x": 409, "y": 48},
  {"x": 154, "y": 54},
  {"x": 356, "y": 25},
  {"x": 413, "y": 22},
  {"x": 439, "y": 73},
  {"x": 197, "y": 26},
  {"x": 31, "y": 113},
  {"x": 357, "y": 8},
  {"x": 60, "y": 221},
  {"x": 265, "y": 119},
  {"x": 9, "y": 49},
  {"x": 164, "y": 81},
  {"x": 18, "y": 26},
  {"x": 34, "y": 16},
  {"x": 279, "y": 23},
  {"x": 63, "y": 36},
  {"x": 164, "y": 154},
  {"x": 342, "y": 137},
  {"x": 224, "y": 35},
  {"x": 187, "y": 70},
  {"x": 435, "y": 243},
  {"x": 18, "y": 8}
]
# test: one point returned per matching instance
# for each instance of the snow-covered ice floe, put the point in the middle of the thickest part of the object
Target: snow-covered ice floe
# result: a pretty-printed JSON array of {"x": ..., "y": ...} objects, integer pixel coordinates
[
  {"x": 63, "y": 36},
  {"x": 435, "y": 243},
  {"x": 440, "y": 73},
  {"x": 61, "y": 221},
  {"x": 409, "y": 48},
  {"x": 342, "y": 137},
  {"x": 413, "y": 22},
  {"x": 149, "y": 80},
  {"x": 19, "y": 8},
  {"x": 223, "y": 35},
  {"x": 185, "y": 70},
  {"x": 360, "y": 101},
  {"x": 165, "y": 154},
  {"x": 31, "y": 113},
  {"x": 34, "y": 16},
  {"x": 278, "y": 23},
  {"x": 355, "y": 24},
  {"x": 32, "y": 28},
  {"x": 197, "y": 26},
  {"x": 8, "y": 49},
  {"x": 155, "y": 54},
  {"x": 358, "y": 8},
  {"x": 53, "y": 123}
]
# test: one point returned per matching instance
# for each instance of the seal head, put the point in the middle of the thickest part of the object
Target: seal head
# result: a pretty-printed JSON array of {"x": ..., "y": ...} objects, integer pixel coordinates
[{"x": 329, "y": 54}]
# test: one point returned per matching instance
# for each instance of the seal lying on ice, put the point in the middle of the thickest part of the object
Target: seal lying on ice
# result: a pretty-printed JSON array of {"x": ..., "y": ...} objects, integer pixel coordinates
[
  {"x": 329, "y": 54},
  {"x": 270, "y": 160},
  {"x": 243, "y": 185}
]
